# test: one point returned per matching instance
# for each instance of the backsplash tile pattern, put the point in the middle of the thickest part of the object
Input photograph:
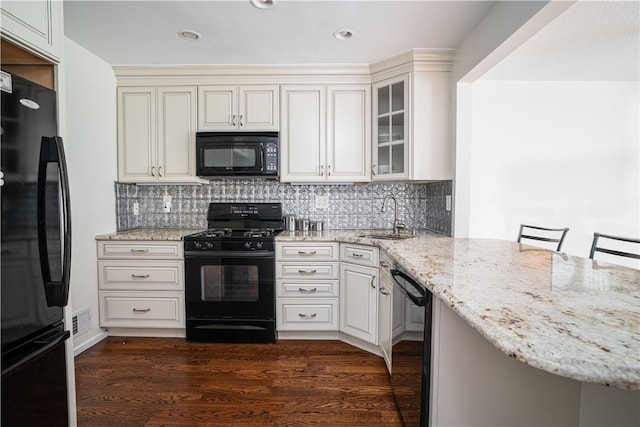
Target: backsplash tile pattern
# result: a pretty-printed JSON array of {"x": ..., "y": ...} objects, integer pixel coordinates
[{"x": 350, "y": 206}]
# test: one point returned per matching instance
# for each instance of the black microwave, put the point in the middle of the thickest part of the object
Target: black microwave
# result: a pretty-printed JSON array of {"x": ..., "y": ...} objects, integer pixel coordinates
[{"x": 237, "y": 154}]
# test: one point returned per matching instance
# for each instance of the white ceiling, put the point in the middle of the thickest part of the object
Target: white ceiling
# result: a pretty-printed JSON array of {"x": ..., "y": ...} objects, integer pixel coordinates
[
  {"x": 591, "y": 41},
  {"x": 292, "y": 32}
]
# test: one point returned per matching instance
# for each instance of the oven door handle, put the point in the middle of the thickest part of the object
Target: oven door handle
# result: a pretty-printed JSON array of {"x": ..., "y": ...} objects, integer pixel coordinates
[{"x": 224, "y": 254}]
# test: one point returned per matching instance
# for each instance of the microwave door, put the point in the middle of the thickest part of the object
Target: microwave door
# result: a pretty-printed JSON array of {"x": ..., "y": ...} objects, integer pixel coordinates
[{"x": 231, "y": 159}]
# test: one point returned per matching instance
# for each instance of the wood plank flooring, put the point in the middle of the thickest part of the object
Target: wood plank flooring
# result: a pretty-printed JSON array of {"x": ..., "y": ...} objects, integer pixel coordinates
[{"x": 171, "y": 382}]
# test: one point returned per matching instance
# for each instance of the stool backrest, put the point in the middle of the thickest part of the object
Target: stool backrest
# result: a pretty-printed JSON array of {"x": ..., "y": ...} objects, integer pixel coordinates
[
  {"x": 599, "y": 246},
  {"x": 543, "y": 234}
]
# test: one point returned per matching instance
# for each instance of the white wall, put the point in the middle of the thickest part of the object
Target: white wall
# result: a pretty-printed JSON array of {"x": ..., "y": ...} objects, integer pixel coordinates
[
  {"x": 555, "y": 154},
  {"x": 90, "y": 98}
]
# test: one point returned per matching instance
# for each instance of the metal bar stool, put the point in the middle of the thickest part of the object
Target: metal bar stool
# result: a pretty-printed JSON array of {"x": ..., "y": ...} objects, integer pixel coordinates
[
  {"x": 595, "y": 248},
  {"x": 543, "y": 234}
]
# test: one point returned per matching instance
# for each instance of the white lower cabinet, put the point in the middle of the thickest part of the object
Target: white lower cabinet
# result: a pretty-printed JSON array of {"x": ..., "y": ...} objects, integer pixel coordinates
[
  {"x": 307, "y": 289},
  {"x": 385, "y": 309},
  {"x": 359, "y": 292},
  {"x": 141, "y": 287}
]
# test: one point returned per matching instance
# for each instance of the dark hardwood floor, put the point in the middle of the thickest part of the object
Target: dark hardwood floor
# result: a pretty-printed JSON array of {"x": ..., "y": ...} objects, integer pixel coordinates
[{"x": 172, "y": 382}]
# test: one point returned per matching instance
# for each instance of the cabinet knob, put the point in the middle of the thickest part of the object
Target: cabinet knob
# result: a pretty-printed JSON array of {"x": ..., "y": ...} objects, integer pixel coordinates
[
  {"x": 153, "y": 171},
  {"x": 373, "y": 279},
  {"x": 373, "y": 169},
  {"x": 159, "y": 170},
  {"x": 383, "y": 291},
  {"x": 233, "y": 120},
  {"x": 241, "y": 122},
  {"x": 329, "y": 170},
  {"x": 321, "y": 170}
]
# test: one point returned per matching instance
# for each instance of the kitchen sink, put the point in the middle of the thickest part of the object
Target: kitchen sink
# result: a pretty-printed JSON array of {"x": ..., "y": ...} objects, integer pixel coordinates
[{"x": 386, "y": 236}]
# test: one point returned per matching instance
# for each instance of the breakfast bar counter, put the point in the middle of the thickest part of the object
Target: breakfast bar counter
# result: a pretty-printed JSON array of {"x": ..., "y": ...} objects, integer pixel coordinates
[{"x": 566, "y": 315}]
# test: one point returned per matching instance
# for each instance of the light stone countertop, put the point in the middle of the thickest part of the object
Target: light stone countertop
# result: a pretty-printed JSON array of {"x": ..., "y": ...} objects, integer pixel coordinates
[
  {"x": 149, "y": 234},
  {"x": 567, "y": 315}
]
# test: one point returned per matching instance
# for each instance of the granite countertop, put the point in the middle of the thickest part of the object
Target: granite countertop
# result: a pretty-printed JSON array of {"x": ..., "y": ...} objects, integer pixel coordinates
[
  {"x": 149, "y": 234},
  {"x": 567, "y": 315}
]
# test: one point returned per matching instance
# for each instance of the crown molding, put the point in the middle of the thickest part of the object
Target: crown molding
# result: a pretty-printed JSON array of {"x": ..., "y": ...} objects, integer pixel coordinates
[{"x": 413, "y": 60}]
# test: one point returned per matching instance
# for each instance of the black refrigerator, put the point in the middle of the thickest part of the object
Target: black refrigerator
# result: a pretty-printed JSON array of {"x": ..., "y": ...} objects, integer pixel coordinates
[{"x": 35, "y": 257}]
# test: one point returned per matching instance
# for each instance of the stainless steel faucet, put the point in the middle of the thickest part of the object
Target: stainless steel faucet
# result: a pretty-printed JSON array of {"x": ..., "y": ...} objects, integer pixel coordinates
[{"x": 397, "y": 225}]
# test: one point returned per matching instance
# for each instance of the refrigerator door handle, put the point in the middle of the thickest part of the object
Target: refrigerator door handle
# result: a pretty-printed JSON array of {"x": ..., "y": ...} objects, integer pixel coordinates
[
  {"x": 47, "y": 344},
  {"x": 52, "y": 151}
]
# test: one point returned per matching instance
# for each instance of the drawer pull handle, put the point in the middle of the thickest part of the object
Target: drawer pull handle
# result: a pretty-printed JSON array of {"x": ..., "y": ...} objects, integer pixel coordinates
[
  {"x": 146, "y": 310},
  {"x": 383, "y": 291},
  {"x": 308, "y": 290},
  {"x": 373, "y": 279},
  {"x": 356, "y": 255},
  {"x": 384, "y": 264},
  {"x": 140, "y": 276},
  {"x": 307, "y": 271},
  {"x": 307, "y": 316},
  {"x": 139, "y": 251},
  {"x": 306, "y": 252}
]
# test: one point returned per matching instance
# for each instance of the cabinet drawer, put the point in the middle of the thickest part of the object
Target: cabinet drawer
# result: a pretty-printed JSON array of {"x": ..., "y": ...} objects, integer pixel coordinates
[
  {"x": 142, "y": 250},
  {"x": 308, "y": 289},
  {"x": 307, "y": 271},
  {"x": 358, "y": 254},
  {"x": 304, "y": 315},
  {"x": 141, "y": 275},
  {"x": 307, "y": 251},
  {"x": 142, "y": 310}
]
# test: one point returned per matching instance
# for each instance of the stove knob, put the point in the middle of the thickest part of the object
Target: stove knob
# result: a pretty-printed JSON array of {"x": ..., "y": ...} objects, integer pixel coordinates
[
  {"x": 197, "y": 245},
  {"x": 259, "y": 245},
  {"x": 247, "y": 245},
  {"x": 209, "y": 245}
]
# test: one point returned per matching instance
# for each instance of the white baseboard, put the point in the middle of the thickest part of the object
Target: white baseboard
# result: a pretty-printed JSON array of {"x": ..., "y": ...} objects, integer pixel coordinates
[{"x": 87, "y": 345}]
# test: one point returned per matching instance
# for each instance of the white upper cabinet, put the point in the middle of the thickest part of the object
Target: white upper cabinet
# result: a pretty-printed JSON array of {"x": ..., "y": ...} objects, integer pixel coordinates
[
  {"x": 412, "y": 118},
  {"x": 325, "y": 134},
  {"x": 302, "y": 136},
  {"x": 35, "y": 25},
  {"x": 156, "y": 134},
  {"x": 349, "y": 133},
  {"x": 238, "y": 108}
]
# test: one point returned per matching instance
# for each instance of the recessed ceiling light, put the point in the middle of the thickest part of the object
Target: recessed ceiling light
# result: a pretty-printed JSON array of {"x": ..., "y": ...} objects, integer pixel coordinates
[
  {"x": 263, "y": 4},
  {"x": 343, "y": 34},
  {"x": 189, "y": 35}
]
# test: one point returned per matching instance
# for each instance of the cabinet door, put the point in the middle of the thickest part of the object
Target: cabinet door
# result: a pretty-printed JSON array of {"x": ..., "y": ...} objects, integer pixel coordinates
[
  {"x": 303, "y": 134},
  {"x": 217, "y": 108},
  {"x": 359, "y": 302},
  {"x": 137, "y": 134},
  {"x": 36, "y": 25},
  {"x": 391, "y": 130},
  {"x": 258, "y": 108},
  {"x": 385, "y": 318},
  {"x": 176, "y": 133},
  {"x": 348, "y": 133}
]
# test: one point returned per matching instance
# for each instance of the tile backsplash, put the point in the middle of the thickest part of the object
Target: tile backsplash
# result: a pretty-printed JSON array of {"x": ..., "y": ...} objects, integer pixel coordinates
[{"x": 350, "y": 206}]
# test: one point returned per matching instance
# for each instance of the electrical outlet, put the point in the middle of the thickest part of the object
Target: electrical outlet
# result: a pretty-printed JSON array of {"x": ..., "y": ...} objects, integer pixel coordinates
[
  {"x": 447, "y": 202},
  {"x": 166, "y": 204},
  {"x": 321, "y": 201},
  {"x": 136, "y": 209}
]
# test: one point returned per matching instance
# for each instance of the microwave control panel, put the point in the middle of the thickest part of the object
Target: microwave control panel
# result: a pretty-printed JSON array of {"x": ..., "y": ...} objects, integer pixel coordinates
[{"x": 271, "y": 158}]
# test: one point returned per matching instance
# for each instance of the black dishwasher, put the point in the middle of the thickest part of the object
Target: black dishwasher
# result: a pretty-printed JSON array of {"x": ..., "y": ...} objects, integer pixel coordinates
[{"x": 411, "y": 354}]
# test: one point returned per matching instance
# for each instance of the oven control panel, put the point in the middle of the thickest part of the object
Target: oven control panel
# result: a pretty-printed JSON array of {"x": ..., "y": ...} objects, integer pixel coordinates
[{"x": 229, "y": 246}]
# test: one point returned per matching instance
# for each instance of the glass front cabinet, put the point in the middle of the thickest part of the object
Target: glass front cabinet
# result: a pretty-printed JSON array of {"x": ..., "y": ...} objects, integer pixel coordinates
[
  {"x": 412, "y": 121},
  {"x": 391, "y": 130}
]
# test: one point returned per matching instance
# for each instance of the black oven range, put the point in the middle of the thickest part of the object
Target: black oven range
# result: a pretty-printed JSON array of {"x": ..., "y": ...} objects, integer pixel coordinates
[{"x": 230, "y": 274}]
